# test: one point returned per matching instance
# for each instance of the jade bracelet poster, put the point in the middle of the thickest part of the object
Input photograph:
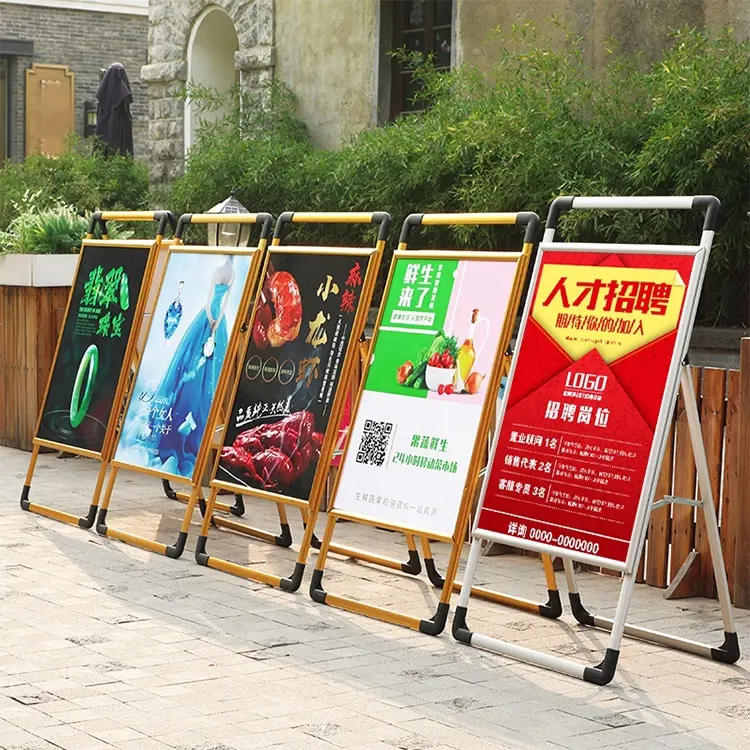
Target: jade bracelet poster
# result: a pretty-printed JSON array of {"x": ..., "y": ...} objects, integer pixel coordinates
[
  {"x": 416, "y": 424},
  {"x": 95, "y": 338},
  {"x": 195, "y": 315},
  {"x": 302, "y": 330}
]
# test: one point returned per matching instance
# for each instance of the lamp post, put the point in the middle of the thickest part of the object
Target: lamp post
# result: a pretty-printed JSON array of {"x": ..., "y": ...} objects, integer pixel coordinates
[{"x": 229, "y": 235}]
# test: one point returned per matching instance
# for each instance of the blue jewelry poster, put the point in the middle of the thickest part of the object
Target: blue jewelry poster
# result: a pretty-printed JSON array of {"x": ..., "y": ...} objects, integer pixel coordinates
[{"x": 182, "y": 361}]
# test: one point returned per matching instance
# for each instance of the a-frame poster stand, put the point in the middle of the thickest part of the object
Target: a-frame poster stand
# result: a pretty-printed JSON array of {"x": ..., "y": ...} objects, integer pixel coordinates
[
  {"x": 413, "y": 454},
  {"x": 290, "y": 390},
  {"x": 585, "y": 431},
  {"x": 95, "y": 351},
  {"x": 174, "y": 404}
]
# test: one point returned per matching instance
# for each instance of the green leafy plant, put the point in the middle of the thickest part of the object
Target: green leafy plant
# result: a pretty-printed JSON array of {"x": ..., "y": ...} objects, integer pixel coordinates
[
  {"x": 77, "y": 178},
  {"x": 538, "y": 125},
  {"x": 51, "y": 229}
]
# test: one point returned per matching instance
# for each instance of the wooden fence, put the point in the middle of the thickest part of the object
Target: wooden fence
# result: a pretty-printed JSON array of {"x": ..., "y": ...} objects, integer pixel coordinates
[
  {"x": 677, "y": 555},
  {"x": 30, "y": 321}
]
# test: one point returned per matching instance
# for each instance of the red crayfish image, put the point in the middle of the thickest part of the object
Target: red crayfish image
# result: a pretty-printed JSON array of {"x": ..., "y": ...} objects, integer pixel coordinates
[
  {"x": 273, "y": 456},
  {"x": 279, "y": 314}
]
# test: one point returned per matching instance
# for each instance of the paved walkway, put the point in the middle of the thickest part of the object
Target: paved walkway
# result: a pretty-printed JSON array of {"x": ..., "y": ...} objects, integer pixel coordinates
[{"x": 103, "y": 645}]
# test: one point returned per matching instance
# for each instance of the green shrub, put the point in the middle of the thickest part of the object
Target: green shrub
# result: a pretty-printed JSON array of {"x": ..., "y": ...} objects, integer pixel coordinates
[
  {"x": 48, "y": 229},
  {"x": 539, "y": 125},
  {"x": 78, "y": 178}
]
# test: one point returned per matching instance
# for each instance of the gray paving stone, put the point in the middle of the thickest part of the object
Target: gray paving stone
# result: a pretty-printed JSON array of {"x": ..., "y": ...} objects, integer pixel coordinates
[{"x": 109, "y": 646}]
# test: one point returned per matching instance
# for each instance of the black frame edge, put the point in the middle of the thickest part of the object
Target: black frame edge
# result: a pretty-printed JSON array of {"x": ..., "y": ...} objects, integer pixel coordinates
[
  {"x": 460, "y": 629},
  {"x": 729, "y": 651},
  {"x": 436, "y": 624},
  {"x": 317, "y": 592},
  {"x": 557, "y": 208},
  {"x": 410, "y": 222},
  {"x": 603, "y": 672}
]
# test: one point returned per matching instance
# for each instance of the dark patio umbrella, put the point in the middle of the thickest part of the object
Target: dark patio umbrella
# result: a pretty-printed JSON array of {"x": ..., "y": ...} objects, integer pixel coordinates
[{"x": 114, "y": 124}]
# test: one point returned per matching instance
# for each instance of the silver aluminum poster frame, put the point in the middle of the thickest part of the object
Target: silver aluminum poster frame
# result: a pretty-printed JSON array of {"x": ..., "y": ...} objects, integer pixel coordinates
[{"x": 678, "y": 376}]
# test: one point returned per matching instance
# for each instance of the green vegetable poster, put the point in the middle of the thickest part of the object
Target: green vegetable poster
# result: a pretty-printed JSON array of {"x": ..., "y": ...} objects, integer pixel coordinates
[{"x": 415, "y": 428}]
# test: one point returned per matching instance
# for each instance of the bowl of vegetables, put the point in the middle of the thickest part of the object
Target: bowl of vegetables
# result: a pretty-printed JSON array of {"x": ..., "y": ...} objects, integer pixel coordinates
[
  {"x": 440, "y": 372},
  {"x": 434, "y": 368}
]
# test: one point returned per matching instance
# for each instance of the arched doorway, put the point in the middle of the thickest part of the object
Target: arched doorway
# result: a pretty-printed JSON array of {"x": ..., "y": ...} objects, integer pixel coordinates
[{"x": 210, "y": 57}]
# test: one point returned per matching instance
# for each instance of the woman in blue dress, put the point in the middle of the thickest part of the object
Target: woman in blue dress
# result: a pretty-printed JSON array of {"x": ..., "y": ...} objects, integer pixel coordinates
[{"x": 190, "y": 381}]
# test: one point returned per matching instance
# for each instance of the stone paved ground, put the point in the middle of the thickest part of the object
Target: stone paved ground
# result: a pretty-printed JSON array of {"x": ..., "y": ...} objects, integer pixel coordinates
[{"x": 103, "y": 645}]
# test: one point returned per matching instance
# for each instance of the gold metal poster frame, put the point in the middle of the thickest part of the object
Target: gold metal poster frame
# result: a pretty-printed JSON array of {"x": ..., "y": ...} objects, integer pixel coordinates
[
  {"x": 436, "y": 623},
  {"x": 240, "y": 330},
  {"x": 100, "y": 218},
  {"x": 308, "y": 508}
]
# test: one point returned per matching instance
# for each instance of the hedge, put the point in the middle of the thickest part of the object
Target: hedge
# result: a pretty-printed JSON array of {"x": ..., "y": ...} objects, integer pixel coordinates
[{"x": 540, "y": 125}]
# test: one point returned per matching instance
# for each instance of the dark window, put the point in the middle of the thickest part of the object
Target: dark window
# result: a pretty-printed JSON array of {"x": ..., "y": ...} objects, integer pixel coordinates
[
  {"x": 424, "y": 26},
  {"x": 4, "y": 110}
]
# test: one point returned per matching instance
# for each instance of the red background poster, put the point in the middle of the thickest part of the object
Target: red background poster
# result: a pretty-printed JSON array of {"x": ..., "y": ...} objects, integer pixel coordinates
[{"x": 584, "y": 400}]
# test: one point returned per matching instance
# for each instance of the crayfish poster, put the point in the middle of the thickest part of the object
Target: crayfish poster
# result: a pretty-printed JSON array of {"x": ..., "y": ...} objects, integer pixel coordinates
[
  {"x": 584, "y": 400},
  {"x": 415, "y": 428},
  {"x": 192, "y": 325},
  {"x": 95, "y": 339},
  {"x": 302, "y": 330}
]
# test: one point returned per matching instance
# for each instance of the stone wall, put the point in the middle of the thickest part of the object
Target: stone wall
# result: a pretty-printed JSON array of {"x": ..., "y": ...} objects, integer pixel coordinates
[
  {"x": 170, "y": 25},
  {"x": 333, "y": 53},
  {"x": 85, "y": 41}
]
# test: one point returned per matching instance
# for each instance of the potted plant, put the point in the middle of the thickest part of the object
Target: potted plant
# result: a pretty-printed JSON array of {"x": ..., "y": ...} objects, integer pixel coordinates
[{"x": 38, "y": 257}]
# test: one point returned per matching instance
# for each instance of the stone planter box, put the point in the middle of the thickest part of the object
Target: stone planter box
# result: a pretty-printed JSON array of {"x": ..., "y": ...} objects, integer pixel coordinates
[{"x": 34, "y": 291}]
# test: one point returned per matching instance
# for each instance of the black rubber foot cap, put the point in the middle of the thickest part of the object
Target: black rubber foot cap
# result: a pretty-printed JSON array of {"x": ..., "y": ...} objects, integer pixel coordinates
[
  {"x": 553, "y": 608},
  {"x": 460, "y": 629},
  {"x": 285, "y": 538},
  {"x": 200, "y": 551},
  {"x": 603, "y": 672},
  {"x": 88, "y": 520},
  {"x": 432, "y": 573},
  {"x": 315, "y": 543},
  {"x": 295, "y": 580},
  {"x": 25, "y": 502},
  {"x": 729, "y": 651},
  {"x": 168, "y": 491},
  {"x": 414, "y": 566},
  {"x": 101, "y": 522},
  {"x": 579, "y": 611},
  {"x": 317, "y": 594},
  {"x": 178, "y": 548},
  {"x": 238, "y": 509},
  {"x": 436, "y": 624}
]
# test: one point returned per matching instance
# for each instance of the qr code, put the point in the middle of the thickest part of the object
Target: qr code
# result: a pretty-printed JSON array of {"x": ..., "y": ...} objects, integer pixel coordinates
[{"x": 373, "y": 446}]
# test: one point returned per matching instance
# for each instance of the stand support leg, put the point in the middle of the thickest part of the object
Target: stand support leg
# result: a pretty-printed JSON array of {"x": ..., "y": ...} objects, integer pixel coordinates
[
  {"x": 461, "y": 631},
  {"x": 729, "y": 651}
]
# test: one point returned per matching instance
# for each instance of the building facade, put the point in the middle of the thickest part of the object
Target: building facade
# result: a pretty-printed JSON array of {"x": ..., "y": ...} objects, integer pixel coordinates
[
  {"x": 51, "y": 54},
  {"x": 334, "y": 54}
]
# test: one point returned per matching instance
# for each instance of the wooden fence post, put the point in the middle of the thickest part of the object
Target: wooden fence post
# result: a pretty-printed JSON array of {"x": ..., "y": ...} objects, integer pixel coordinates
[{"x": 742, "y": 515}]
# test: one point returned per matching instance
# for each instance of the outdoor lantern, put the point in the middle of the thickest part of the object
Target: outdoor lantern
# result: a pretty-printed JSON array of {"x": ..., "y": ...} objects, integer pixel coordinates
[
  {"x": 89, "y": 118},
  {"x": 229, "y": 235}
]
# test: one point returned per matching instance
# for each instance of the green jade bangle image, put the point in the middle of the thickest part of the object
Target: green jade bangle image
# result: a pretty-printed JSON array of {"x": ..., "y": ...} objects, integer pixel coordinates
[
  {"x": 87, "y": 370},
  {"x": 124, "y": 292}
]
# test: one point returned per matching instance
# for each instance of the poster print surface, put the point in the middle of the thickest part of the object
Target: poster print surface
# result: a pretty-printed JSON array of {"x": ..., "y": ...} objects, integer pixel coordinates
[
  {"x": 414, "y": 432},
  {"x": 179, "y": 372},
  {"x": 93, "y": 346},
  {"x": 583, "y": 405},
  {"x": 301, "y": 332}
]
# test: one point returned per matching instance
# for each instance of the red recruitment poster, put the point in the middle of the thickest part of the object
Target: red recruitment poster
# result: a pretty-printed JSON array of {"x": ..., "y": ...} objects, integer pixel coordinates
[{"x": 584, "y": 400}]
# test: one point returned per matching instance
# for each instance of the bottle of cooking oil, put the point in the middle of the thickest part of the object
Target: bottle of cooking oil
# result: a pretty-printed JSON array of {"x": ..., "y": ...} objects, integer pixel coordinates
[{"x": 466, "y": 352}]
